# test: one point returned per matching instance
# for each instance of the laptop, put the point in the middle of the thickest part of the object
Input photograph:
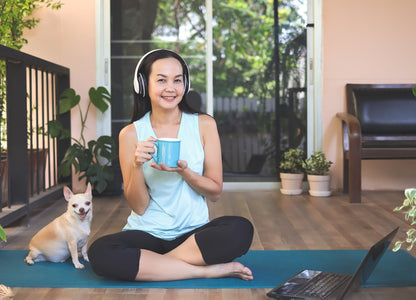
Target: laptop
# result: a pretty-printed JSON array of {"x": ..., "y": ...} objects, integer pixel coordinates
[{"x": 312, "y": 285}]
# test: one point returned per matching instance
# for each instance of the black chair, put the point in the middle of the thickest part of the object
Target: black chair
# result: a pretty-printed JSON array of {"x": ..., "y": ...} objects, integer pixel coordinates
[{"x": 380, "y": 123}]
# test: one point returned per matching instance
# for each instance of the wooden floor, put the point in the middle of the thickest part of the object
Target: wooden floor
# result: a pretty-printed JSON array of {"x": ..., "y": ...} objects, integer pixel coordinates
[{"x": 281, "y": 223}]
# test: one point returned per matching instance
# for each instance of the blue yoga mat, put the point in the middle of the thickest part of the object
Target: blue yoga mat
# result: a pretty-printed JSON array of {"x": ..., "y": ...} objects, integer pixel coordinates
[{"x": 270, "y": 268}]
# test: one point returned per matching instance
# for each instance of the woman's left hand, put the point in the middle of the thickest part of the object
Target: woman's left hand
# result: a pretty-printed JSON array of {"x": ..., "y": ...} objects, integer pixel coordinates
[{"x": 182, "y": 165}]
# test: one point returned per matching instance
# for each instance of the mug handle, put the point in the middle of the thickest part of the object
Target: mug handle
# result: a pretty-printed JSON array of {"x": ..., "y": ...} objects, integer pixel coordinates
[{"x": 155, "y": 154}]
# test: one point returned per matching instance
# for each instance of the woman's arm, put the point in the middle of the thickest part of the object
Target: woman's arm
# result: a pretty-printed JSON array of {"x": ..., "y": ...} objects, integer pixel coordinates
[
  {"x": 210, "y": 184},
  {"x": 132, "y": 155}
]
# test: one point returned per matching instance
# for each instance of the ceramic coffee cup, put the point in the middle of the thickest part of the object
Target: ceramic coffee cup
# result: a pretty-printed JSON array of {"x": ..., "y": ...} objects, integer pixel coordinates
[{"x": 167, "y": 151}]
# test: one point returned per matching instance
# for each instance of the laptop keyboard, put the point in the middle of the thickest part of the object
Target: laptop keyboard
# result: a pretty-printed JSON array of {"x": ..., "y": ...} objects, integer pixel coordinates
[{"x": 323, "y": 284}]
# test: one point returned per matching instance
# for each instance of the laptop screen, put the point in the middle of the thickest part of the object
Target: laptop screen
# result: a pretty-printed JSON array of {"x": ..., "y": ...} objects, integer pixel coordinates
[{"x": 369, "y": 263}]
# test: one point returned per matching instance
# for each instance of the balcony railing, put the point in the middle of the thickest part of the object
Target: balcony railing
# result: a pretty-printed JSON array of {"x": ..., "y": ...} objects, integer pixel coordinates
[{"x": 31, "y": 87}]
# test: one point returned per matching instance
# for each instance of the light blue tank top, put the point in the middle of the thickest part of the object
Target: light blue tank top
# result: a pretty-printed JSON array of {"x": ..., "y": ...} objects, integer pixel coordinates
[{"x": 175, "y": 208}]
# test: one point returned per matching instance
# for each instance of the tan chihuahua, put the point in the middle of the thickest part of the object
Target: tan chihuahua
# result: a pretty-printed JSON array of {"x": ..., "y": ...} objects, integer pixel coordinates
[{"x": 63, "y": 236}]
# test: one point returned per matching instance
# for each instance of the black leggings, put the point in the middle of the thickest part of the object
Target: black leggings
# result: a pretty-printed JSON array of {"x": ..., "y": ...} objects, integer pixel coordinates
[{"x": 221, "y": 240}]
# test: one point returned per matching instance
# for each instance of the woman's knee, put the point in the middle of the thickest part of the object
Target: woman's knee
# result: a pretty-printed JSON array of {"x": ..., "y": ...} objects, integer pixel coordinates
[
  {"x": 242, "y": 233},
  {"x": 237, "y": 230},
  {"x": 111, "y": 259},
  {"x": 229, "y": 237},
  {"x": 98, "y": 254}
]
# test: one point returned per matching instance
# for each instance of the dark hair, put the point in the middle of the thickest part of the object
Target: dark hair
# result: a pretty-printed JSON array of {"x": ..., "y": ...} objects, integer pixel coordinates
[{"x": 142, "y": 105}]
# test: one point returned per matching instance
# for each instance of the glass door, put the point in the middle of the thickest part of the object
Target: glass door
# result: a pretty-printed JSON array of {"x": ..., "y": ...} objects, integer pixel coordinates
[{"x": 259, "y": 84}]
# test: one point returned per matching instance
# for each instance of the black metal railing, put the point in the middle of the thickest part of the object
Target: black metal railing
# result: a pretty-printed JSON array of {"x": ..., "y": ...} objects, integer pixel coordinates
[{"x": 31, "y": 87}]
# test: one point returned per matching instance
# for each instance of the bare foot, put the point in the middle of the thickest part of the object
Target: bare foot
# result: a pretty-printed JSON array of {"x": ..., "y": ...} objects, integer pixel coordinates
[{"x": 232, "y": 269}]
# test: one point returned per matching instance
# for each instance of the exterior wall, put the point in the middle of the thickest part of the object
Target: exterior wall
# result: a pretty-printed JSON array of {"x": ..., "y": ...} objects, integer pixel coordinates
[
  {"x": 67, "y": 37},
  {"x": 366, "y": 41}
]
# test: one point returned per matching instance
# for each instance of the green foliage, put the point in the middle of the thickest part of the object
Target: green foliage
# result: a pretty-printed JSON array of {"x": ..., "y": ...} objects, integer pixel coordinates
[
  {"x": 2, "y": 234},
  {"x": 292, "y": 161},
  {"x": 68, "y": 100},
  {"x": 317, "y": 164},
  {"x": 409, "y": 204},
  {"x": 16, "y": 16},
  {"x": 91, "y": 160}
]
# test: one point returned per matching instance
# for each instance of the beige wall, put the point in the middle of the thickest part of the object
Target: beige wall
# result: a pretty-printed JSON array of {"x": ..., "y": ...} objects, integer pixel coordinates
[
  {"x": 366, "y": 41},
  {"x": 69, "y": 36}
]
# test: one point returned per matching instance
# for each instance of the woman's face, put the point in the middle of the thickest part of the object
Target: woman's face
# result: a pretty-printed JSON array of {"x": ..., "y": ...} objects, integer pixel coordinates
[{"x": 166, "y": 86}]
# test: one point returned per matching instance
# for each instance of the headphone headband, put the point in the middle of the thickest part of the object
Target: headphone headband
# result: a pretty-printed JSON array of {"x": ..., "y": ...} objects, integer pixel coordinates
[{"x": 139, "y": 79}]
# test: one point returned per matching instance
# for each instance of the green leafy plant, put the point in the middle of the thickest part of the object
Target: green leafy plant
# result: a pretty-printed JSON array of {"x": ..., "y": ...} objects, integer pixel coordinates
[
  {"x": 316, "y": 164},
  {"x": 91, "y": 160},
  {"x": 409, "y": 203},
  {"x": 292, "y": 161},
  {"x": 2, "y": 234},
  {"x": 16, "y": 16}
]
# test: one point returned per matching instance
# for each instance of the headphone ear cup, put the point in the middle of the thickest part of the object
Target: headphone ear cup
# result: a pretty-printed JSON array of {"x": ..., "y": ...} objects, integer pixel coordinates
[
  {"x": 136, "y": 85},
  {"x": 187, "y": 83},
  {"x": 142, "y": 84},
  {"x": 139, "y": 84}
]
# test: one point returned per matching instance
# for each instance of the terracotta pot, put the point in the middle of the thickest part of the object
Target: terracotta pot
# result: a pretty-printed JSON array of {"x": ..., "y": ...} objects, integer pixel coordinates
[
  {"x": 291, "y": 183},
  {"x": 319, "y": 185}
]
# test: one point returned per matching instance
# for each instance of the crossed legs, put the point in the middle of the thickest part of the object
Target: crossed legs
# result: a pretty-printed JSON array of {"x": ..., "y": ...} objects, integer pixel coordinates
[
  {"x": 185, "y": 262},
  {"x": 206, "y": 252}
]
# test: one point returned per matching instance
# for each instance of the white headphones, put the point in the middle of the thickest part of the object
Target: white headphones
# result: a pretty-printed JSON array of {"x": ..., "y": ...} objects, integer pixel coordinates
[{"x": 139, "y": 80}]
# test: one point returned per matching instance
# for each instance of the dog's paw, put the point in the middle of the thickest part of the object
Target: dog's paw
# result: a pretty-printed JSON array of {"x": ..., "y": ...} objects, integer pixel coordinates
[
  {"x": 79, "y": 266},
  {"x": 29, "y": 261},
  {"x": 86, "y": 258}
]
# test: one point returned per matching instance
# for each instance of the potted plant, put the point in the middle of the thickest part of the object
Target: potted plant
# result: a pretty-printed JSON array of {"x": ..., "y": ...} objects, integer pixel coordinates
[
  {"x": 91, "y": 160},
  {"x": 292, "y": 172},
  {"x": 410, "y": 204},
  {"x": 317, "y": 167}
]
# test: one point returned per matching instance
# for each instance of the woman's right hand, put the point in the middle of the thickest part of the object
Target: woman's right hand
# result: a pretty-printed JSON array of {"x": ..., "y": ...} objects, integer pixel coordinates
[{"x": 143, "y": 151}]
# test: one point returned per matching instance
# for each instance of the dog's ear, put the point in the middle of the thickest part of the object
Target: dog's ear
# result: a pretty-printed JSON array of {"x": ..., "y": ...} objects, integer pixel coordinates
[
  {"x": 67, "y": 193},
  {"x": 88, "y": 191}
]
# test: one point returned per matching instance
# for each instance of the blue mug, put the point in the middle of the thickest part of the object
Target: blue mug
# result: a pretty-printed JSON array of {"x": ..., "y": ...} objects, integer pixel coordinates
[{"x": 167, "y": 151}]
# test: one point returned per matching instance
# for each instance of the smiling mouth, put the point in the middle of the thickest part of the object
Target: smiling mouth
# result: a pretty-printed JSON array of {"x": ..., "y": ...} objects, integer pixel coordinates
[
  {"x": 83, "y": 215},
  {"x": 169, "y": 98}
]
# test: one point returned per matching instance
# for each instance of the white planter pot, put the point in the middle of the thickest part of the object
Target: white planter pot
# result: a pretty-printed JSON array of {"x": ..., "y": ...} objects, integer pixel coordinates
[
  {"x": 291, "y": 183},
  {"x": 319, "y": 185}
]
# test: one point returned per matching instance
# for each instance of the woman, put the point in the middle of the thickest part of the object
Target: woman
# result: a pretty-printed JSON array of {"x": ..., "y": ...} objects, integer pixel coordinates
[{"x": 168, "y": 235}]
